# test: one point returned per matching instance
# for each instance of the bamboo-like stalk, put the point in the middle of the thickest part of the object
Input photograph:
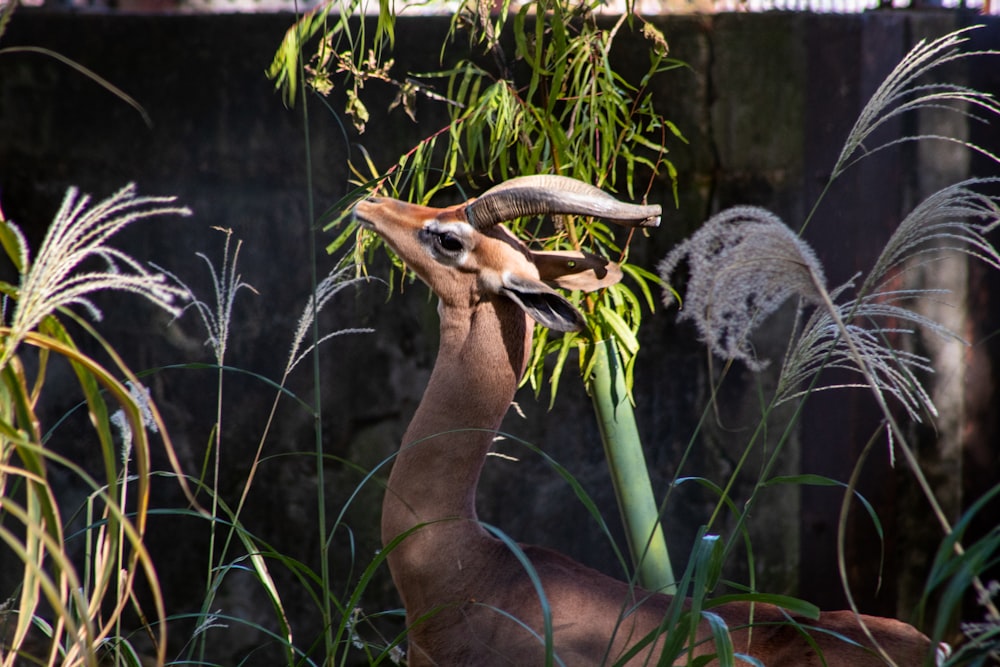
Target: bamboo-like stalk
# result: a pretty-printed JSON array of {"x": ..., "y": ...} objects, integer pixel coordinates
[{"x": 629, "y": 473}]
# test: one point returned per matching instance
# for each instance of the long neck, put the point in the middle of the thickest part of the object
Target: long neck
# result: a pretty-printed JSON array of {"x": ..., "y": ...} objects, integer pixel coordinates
[{"x": 480, "y": 360}]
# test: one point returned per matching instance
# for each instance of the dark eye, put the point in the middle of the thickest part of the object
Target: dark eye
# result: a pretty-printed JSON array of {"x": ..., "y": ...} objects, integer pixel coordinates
[{"x": 449, "y": 242}]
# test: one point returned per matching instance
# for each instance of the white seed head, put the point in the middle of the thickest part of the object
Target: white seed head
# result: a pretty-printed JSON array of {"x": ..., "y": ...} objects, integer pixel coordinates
[{"x": 743, "y": 264}]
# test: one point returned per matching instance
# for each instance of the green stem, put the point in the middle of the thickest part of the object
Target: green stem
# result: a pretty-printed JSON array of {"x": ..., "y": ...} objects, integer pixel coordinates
[
  {"x": 629, "y": 474},
  {"x": 326, "y": 609}
]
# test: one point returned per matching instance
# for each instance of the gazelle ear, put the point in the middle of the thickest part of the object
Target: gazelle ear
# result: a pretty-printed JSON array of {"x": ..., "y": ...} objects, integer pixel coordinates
[
  {"x": 542, "y": 303},
  {"x": 576, "y": 270}
]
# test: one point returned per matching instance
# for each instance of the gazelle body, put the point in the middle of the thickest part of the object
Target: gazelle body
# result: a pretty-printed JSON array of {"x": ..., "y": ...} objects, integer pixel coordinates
[{"x": 469, "y": 599}]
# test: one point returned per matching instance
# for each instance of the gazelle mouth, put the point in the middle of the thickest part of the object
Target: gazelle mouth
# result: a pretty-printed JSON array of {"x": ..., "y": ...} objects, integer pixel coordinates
[
  {"x": 359, "y": 212},
  {"x": 364, "y": 222},
  {"x": 359, "y": 216}
]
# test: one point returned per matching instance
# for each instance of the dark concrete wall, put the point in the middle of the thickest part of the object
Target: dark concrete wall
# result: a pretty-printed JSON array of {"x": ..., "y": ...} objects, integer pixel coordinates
[{"x": 765, "y": 104}]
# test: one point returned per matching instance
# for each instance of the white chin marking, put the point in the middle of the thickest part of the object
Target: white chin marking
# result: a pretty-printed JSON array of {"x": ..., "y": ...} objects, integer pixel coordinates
[{"x": 942, "y": 654}]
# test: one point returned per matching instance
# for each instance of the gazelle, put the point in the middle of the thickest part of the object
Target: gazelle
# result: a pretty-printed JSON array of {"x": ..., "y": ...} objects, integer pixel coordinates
[{"x": 469, "y": 599}]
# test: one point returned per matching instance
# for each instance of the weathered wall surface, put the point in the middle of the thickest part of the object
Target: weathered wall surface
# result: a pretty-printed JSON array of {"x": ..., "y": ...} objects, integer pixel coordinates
[{"x": 765, "y": 104}]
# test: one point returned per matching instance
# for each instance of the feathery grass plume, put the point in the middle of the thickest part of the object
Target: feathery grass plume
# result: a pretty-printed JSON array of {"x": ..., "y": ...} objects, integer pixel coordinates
[
  {"x": 903, "y": 90},
  {"x": 329, "y": 287},
  {"x": 823, "y": 345},
  {"x": 743, "y": 264},
  {"x": 79, "y": 233},
  {"x": 953, "y": 219},
  {"x": 226, "y": 284},
  {"x": 139, "y": 394}
]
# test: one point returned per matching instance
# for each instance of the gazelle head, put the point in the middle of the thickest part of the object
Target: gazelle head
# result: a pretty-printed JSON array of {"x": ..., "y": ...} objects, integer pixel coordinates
[{"x": 465, "y": 255}]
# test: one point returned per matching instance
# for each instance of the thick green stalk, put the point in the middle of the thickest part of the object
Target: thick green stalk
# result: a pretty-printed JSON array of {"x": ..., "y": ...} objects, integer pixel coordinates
[{"x": 629, "y": 474}]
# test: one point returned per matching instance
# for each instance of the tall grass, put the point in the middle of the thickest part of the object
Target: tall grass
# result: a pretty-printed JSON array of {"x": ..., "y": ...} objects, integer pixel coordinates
[
  {"x": 744, "y": 263},
  {"x": 73, "y": 263},
  {"x": 237, "y": 550}
]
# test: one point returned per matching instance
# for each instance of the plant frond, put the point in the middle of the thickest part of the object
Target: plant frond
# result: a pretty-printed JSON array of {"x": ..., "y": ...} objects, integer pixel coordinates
[
  {"x": 329, "y": 287},
  {"x": 743, "y": 264},
  {"x": 80, "y": 69},
  {"x": 822, "y": 345},
  {"x": 954, "y": 219},
  {"x": 79, "y": 233},
  {"x": 140, "y": 395},
  {"x": 226, "y": 284},
  {"x": 900, "y": 92}
]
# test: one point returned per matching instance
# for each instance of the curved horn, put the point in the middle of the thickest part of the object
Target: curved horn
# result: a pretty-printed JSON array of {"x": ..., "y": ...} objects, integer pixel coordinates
[{"x": 535, "y": 195}]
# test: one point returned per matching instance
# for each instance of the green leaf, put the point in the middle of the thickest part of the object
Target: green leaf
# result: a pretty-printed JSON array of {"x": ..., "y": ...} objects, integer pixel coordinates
[
  {"x": 13, "y": 244},
  {"x": 566, "y": 345},
  {"x": 724, "y": 651},
  {"x": 819, "y": 480},
  {"x": 85, "y": 71},
  {"x": 623, "y": 333},
  {"x": 536, "y": 582},
  {"x": 793, "y": 605}
]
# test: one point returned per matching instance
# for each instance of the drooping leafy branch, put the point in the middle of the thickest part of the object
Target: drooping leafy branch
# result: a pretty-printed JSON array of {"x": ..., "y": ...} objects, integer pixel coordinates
[{"x": 532, "y": 91}]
